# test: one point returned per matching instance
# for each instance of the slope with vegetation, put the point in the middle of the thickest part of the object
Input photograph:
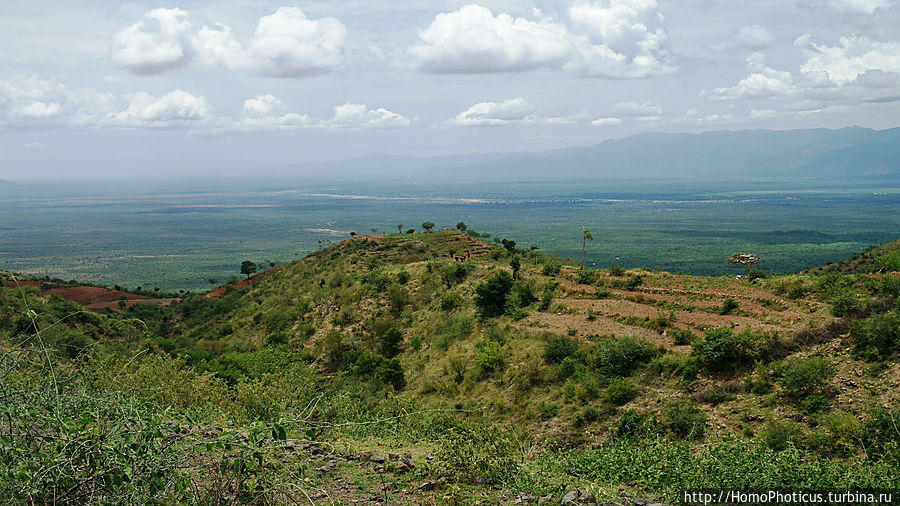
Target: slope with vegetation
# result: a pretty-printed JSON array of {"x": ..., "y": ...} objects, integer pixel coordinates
[{"x": 387, "y": 368}]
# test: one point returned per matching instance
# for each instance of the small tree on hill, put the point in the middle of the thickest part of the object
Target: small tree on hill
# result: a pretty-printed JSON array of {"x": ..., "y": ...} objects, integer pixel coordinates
[
  {"x": 461, "y": 226},
  {"x": 745, "y": 259},
  {"x": 248, "y": 268},
  {"x": 516, "y": 264},
  {"x": 428, "y": 226},
  {"x": 585, "y": 235},
  {"x": 490, "y": 296},
  {"x": 400, "y": 228}
]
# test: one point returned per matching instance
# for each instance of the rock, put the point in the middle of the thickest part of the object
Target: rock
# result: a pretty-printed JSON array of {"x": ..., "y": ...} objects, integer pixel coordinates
[
  {"x": 429, "y": 456},
  {"x": 428, "y": 485},
  {"x": 546, "y": 499},
  {"x": 410, "y": 463},
  {"x": 402, "y": 467},
  {"x": 378, "y": 459},
  {"x": 393, "y": 456},
  {"x": 586, "y": 496},
  {"x": 327, "y": 468},
  {"x": 641, "y": 502},
  {"x": 569, "y": 498},
  {"x": 365, "y": 456}
]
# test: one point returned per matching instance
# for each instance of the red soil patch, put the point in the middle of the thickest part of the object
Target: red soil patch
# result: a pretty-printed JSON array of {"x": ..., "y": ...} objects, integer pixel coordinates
[
  {"x": 219, "y": 292},
  {"x": 94, "y": 298}
]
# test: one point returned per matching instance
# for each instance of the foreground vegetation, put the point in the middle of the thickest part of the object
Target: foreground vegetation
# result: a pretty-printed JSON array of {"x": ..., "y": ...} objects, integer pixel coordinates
[{"x": 381, "y": 369}]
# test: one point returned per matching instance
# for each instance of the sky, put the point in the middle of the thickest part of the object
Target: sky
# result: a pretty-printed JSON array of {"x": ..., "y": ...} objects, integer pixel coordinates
[{"x": 103, "y": 88}]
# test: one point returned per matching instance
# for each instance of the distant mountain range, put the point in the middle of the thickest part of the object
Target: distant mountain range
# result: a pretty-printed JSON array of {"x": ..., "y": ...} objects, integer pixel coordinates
[{"x": 848, "y": 153}]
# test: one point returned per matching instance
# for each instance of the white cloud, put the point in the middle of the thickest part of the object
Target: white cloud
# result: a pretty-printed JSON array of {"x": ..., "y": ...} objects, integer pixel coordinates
[
  {"x": 625, "y": 39},
  {"x": 262, "y": 105},
  {"x": 755, "y": 37},
  {"x": 766, "y": 83},
  {"x": 158, "y": 43},
  {"x": 512, "y": 111},
  {"x": 761, "y": 113},
  {"x": 288, "y": 44},
  {"x": 33, "y": 145},
  {"x": 263, "y": 113},
  {"x": 854, "y": 57},
  {"x": 473, "y": 40},
  {"x": 860, "y": 6},
  {"x": 285, "y": 44},
  {"x": 35, "y": 101},
  {"x": 170, "y": 109},
  {"x": 606, "y": 122},
  {"x": 636, "y": 109},
  {"x": 360, "y": 116}
]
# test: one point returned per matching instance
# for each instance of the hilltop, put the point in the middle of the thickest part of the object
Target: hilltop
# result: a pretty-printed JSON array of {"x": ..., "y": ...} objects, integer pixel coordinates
[
  {"x": 882, "y": 258},
  {"x": 439, "y": 367}
]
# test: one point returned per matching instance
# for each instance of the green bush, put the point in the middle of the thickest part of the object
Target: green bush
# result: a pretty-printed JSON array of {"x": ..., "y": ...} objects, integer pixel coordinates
[
  {"x": 877, "y": 337},
  {"x": 619, "y": 357},
  {"x": 550, "y": 269},
  {"x": 619, "y": 392},
  {"x": 728, "y": 306},
  {"x": 845, "y": 304},
  {"x": 403, "y": 277},
  {"x": 476, "y": 454},
  {"x": 616, "y": 270},
  {"x": 684, "y": 419},
  {"x": 558, "y": 349},
  {"x": 779, "y": 436},
  {"x": 803, "y": 376},
  {"x": 490, "y": 296},
  {"x": 881, "y": 434},
  {"x": 451, "y": 301},
  {"x": 681, "y": 337},
  {"x": 722, "y": 350},
  {"x": 490, "y": 356},
  {"x": 634, "y": 424}
]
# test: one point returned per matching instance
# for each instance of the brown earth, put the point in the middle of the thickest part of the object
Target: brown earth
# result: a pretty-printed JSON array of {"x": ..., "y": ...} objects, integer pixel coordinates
[{"x": 94, "y": 298}]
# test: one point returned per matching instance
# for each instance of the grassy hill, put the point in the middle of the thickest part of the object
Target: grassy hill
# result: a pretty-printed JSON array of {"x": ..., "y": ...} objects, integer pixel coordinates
[
  {"x": 385, "y": 368},
  {"x": 885, "y": 257}
]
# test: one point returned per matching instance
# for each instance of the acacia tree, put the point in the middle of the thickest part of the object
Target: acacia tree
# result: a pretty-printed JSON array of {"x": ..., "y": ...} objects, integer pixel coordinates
[
  {"x": 428, "y": 225},
  {"x": 248, "y": 268},
  {"x": 745, "y": 259},
  {"x": 585, "y": 235}
]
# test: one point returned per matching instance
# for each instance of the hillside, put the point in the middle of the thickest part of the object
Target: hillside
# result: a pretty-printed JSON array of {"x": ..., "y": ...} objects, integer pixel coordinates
[
  {"x": 882, "y": 258},
  {"x": 388, "y": 368}
]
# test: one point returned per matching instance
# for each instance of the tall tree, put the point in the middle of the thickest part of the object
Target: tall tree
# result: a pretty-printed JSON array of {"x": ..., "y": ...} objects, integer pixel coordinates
[
  {"x": 745, "y": 259},
  {"x": 428, "y": 225},
  {"x": 248, "y": 268},
  {"x": 585, "y": 235}
]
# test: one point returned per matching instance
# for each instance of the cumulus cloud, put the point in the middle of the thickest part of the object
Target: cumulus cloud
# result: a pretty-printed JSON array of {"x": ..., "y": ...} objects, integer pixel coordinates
[
  {"x": 855, "y": 56},
  {"x": 264, "y": 113},
  {"x": 512, "y": 111},
  {"x": 361, "y": 116},
  {"x": 473, "y": 40},
  {"x": 285, "y": 44},
  {"x": 145, "y": 110},
  {"x": 606, "y": 122},
  {"x": 36, "y": 101},
  {"x": 763, "y": 82},
  {"x": 161, "y": 41},
  {"x": 621, "y": 39},
  {"x": 861, "y": 6},
  {"x": 762, "y": 113},
  {"x": 627, "y": 38},
  {"x": 288, "y": 44},
  {"x": 755, "y": 37},
  {"x": 636, "y": 109}
]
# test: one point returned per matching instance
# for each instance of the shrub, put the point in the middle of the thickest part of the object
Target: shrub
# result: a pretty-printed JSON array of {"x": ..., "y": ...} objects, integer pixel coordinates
[
  {"x": 881, "y": 433},
  {"x": 586, "y": 277},
  {"x": 757, "y": 274},
  {"x": 877, "y": 337},
  {"x": 403, "y": 277},
  {"x": 728, "y": 306},
  {"x": 616, "y": 270},
  {"x": 490, "y": 356},
  {"x": 469, "y": 453},
  {"x": 721, "y": 349},
  {"x": 451, "y": 301},
  {"x": 681, "y": 337},
  {"x": 558, "y": 349},
  {"x": 454, "y": 273},
  {"x": 490, "y": 296},
  {"x": 635, "y": 424},
  {"x": 803, "y": 376},
  {"x": 779, "y": 436},
  {"x": 620, "y": 356},
  {"x": 684, "y": 419},
  {"x": 634, "y": 282},
  {"x": 844, "y": 430},
  {"x": 619, "y": 392},
  {"x": 845, "y": 304},
  {"x": 550, "y": 269}
]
